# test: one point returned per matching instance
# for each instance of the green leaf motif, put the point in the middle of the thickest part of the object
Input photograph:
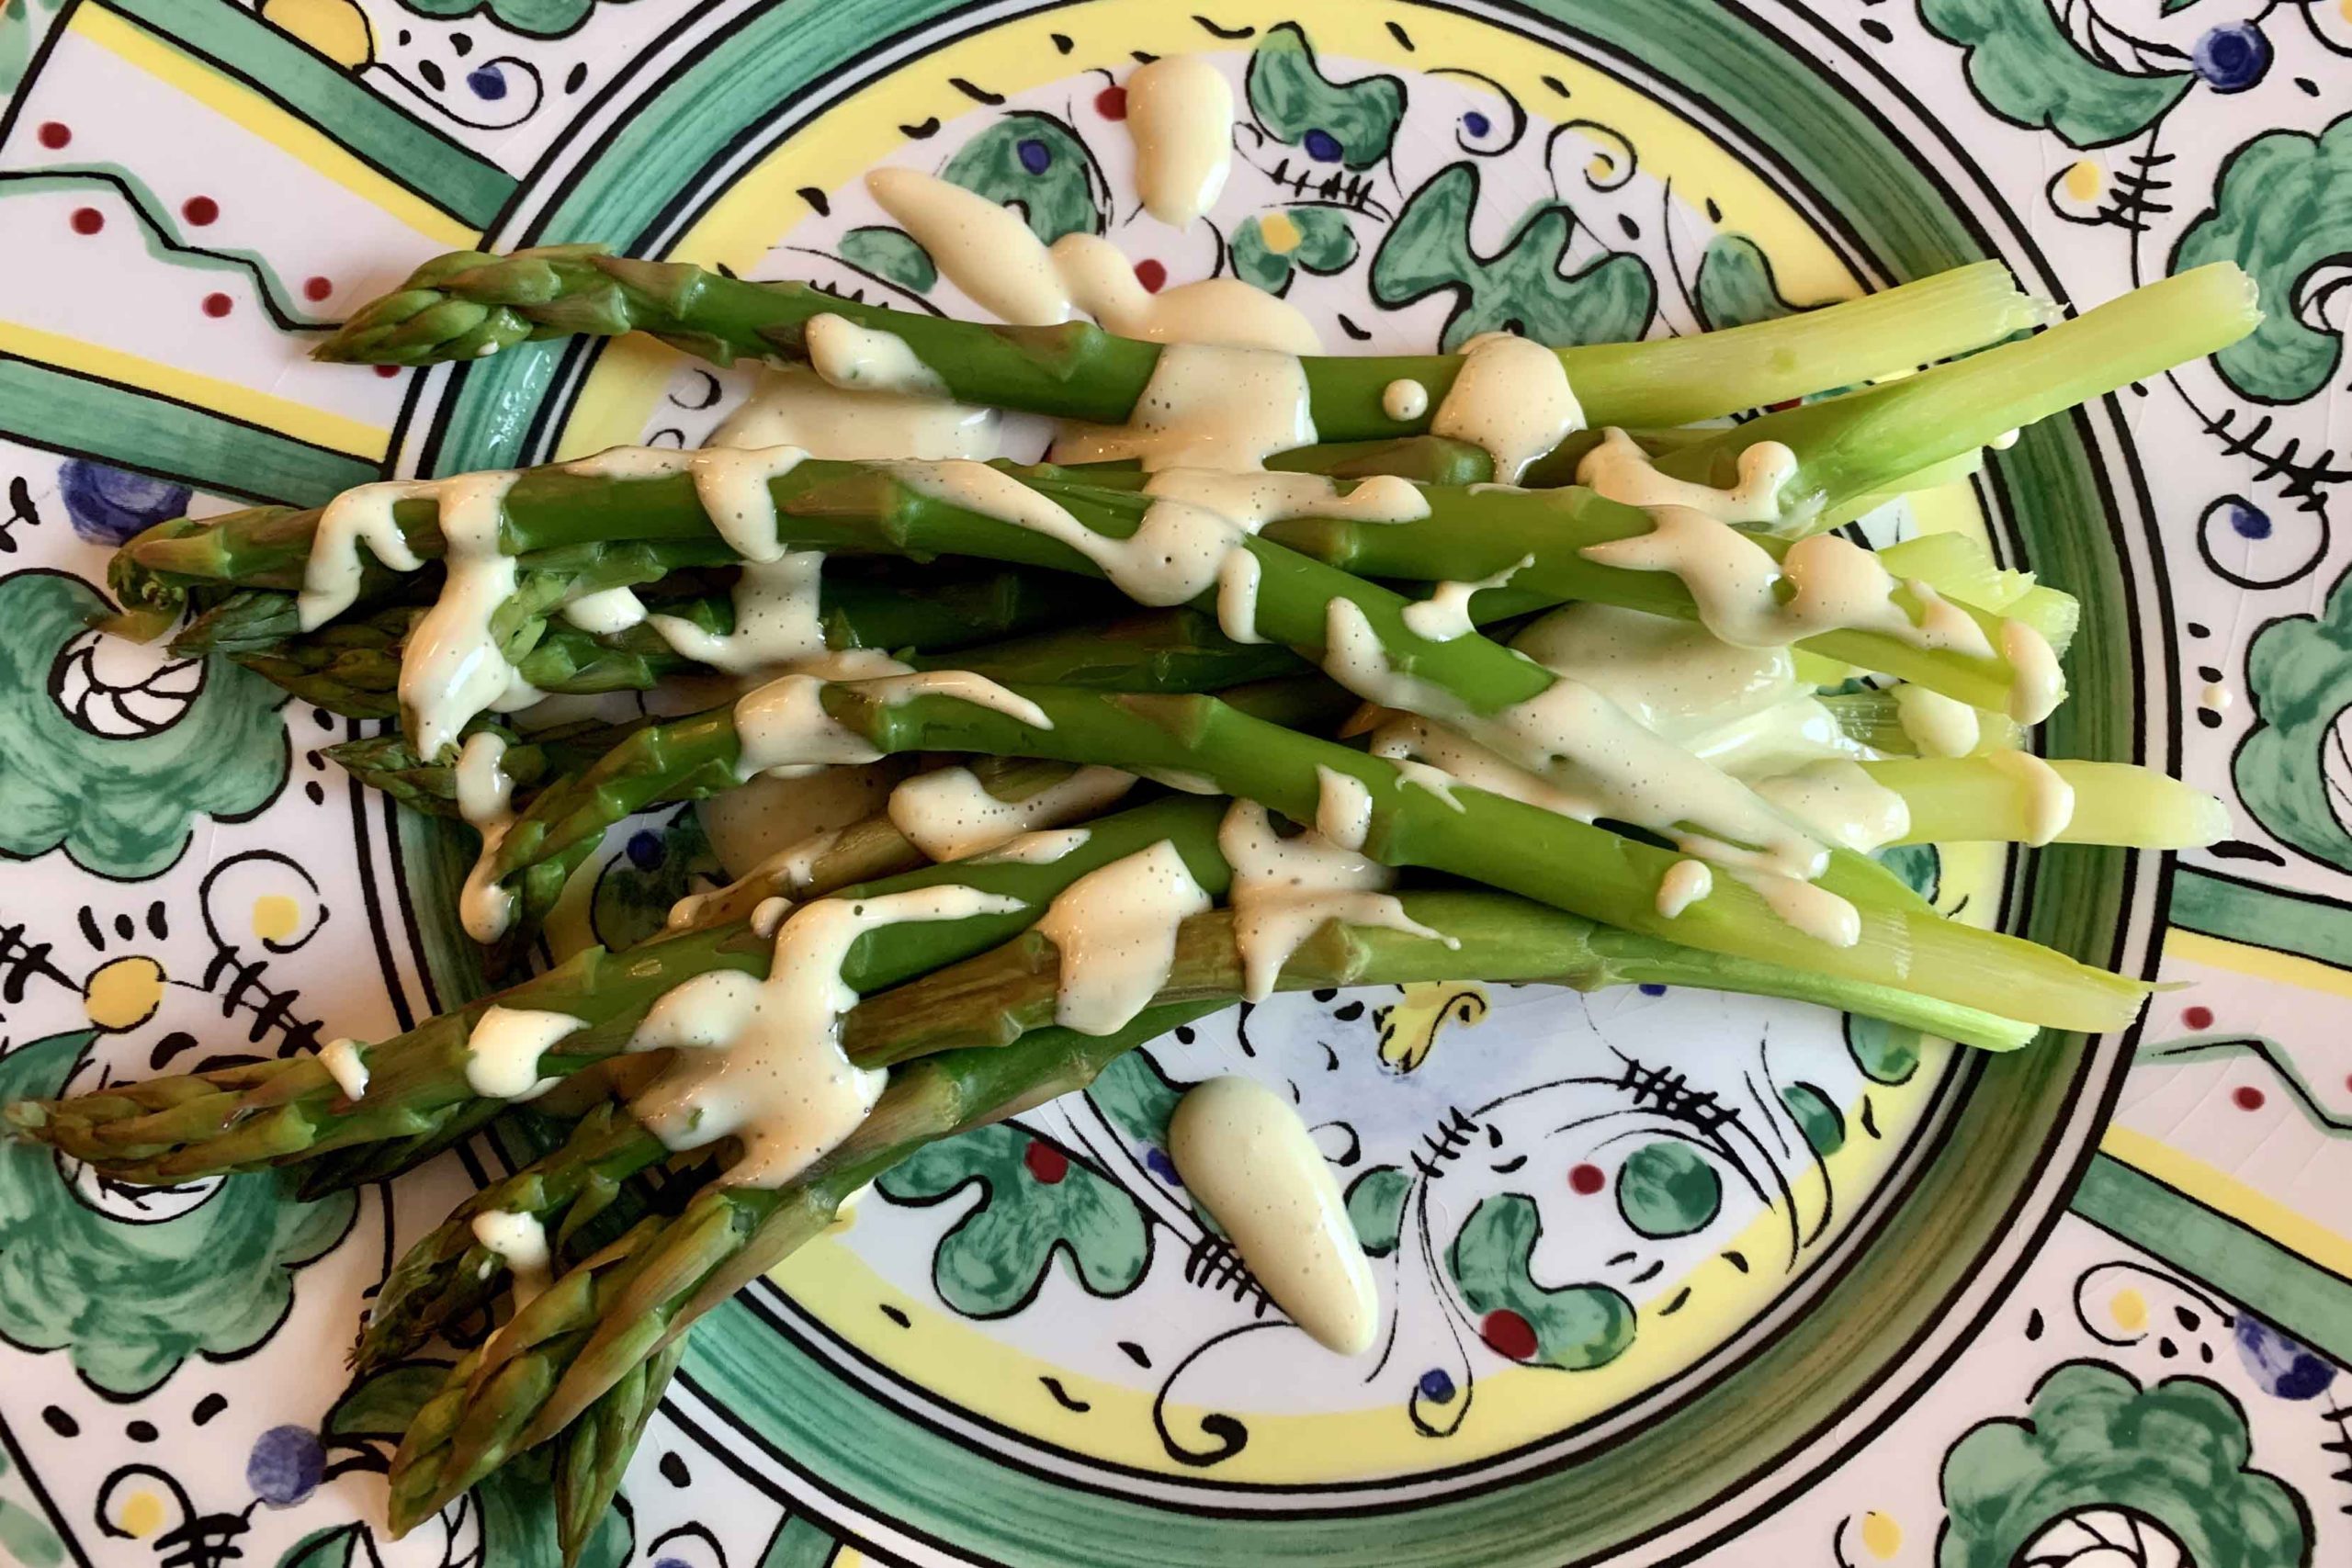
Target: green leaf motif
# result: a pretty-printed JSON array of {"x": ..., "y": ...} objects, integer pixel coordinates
[
  {"x": 2299, "y": 679},
  {"x": 656, "y": 868},
  {"x": 130, "y": 1301},
  {"x": 1577, "y": 1326},
  {"x": 2176, "y": 1454},
  {"x": 1347, "y": 122},
  {"x": 1376, "y": 1208},
  {"x": 1817, "y": 1117},
  {"x": 1039, "y": 167},
  {"x": 1269, "y": 247},
  {"x": 384, "y": 1405},
  {"x": 2031, "y": 73},
  {"x": 1886, "y": 1053},
  {"x": 1137, "y": 1097},
  {"x": 517, "y": 1503},
  {"x": 1667, "y": 1189},
  {"x": 26, "y": 1538},
  {"x": 1736, "y": 287},
  {"x": 336, "y": 1546},
  {"x": 2282, "y": 210},
  {"x": 1521, "y": 288},
  {"x": 535, "y": 18},
  {"x": 121, "y": 806},
  {"x": 891, "y": 254},
  {"x": 1034, "y": 1201}
]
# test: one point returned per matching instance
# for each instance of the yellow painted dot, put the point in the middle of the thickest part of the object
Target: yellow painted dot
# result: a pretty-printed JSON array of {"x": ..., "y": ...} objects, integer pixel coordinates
[
  {"x": 276, "y": 917},
  {"x": 336, "y": 28},
  {"x": 2130, "y": 1310},
  {"x": 2084, "y": 179},
  {"x": 143, "y": 1513},
  {"x": 124, "y": 992},
  {"x": 1280, "y": 232},
  {"x": 1599, "y": 168},
  {"x": 1881, "y": 1537}
]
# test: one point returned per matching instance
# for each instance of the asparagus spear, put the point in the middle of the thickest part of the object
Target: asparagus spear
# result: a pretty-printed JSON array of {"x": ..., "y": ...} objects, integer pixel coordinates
[
  {"x": 570, "y": 1347},
  {"x": 592, "y": 1454},
  {"x": 467, "y": 305},
  {"x": 1523, "y": 848},
  {"x": 172, "y": 1129}
]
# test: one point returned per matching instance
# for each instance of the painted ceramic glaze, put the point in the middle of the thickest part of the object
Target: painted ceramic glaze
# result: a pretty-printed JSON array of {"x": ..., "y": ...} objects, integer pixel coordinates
[{"x": 1660, "y": 1277}]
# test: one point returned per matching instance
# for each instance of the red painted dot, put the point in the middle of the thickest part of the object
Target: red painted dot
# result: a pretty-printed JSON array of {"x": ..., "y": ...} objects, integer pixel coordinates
[
  {"x": 2197, "y": 1018},
  {"x": 387, "y": 371},
  {"x": 1111, "y": 103},
  {"x": 88, "y": 220},
  {"x": 218, "y": 304},
  {"x": 2249, "y": 1097},
  {"x": 1781, "y": 407},
  {"x": 1047, "y": 1163},
  {"x": 1587, "y": 1179},
  {"x": 316, "y": 287},
  {"x": 1151, "y": 275},
  {"x": 199, "y": 210},
  {"x": 1509, "y": 1333},
  {"x": 54, "y": 135}
]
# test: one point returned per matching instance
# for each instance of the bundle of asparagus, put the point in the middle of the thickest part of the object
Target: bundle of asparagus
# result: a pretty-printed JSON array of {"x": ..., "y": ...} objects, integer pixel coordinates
[{"x": 1311, "y": 640}]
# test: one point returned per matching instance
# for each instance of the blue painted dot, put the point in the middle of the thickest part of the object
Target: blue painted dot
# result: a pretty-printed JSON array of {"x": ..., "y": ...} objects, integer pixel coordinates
[
  {"x": 285, "y": 1465},
  {"x": 2251, "y": 522},
  {"x": 1653, "y": 990},
  {"x": 1322, "y": 146},
  {"x": 1036, "y": 156},
  {"x": 1436, "y": 1386},
  {"x": 1160, "y": 1165},
  {"x": 2280, "y": 1364},
  {"x": 2231, "y": 58},
  {"x": 645, "y": 850},
  {"x": 108, "y": 505},
  {"x": 670, "y": 1562},
  {"x": 488, "y": 81},
  {"x": 1477, "y": 124}
]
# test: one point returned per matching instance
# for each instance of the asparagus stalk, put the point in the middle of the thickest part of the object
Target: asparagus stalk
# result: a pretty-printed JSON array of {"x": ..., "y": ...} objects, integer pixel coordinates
[
  {"x": 276, "y": 1113},
  {"x": 1540, "y": 854},
  {"x": 1953, "y": 799},
  {"x": 592, "y": 1454},
  {"x": 467, "y": 305}
]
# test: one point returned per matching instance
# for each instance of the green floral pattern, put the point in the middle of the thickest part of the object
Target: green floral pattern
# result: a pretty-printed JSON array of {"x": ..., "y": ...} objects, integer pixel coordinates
[
  {"x": 122, "y": 805},
  {"x": 2299, "y": 673},
  {"x": 1352, "y": 123},
  {"x": 1040, "y": 167},
  {"x": 1576, "y": 1326},
  {"x": 2030, "y": 71},
  {"x": 128, "y": 1302}
]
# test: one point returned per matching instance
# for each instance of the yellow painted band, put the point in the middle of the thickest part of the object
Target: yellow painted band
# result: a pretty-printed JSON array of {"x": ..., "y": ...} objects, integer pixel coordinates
[
  {"x": 2260, "y": 963},
  {"x": 2225, "y": 1194}
]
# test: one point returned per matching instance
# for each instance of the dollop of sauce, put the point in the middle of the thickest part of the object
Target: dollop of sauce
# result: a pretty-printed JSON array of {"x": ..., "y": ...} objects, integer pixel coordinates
[
  {"x": 983, "y": 249},
  {"x": 504, "y": 1050},
  {"x": 1115, "y": 929},
  {"x": 1937, "y": 724},
  {"x": 1685, "y": 883},
  {"x": 520, "y": 1242},
  {"x": 2047, "y": 799},
  {"x": 949, "y": 813},
  {"x": 1511, "y": 398},
  {"x": 1404, "y": 401},
  {"x": 1445, "y": 613},
  {"x": 1286, "y": 889},
  {"x": 452, "y": 668},
  {"x": 867, "y": 360},
  {"x": 485, "y": 801},
  {"x": 1180, "y": 111},
  {"x": 791, "y": 405},
  {"x": 1204, "y": 407},
  {"x": 1620, "y": 471},
  {"x": 344, "y": 1064},
  {"x": 761, "y": 1060},
  {"x": 1246, "y": 1157},
  {"x": 1841, "y": 801}
]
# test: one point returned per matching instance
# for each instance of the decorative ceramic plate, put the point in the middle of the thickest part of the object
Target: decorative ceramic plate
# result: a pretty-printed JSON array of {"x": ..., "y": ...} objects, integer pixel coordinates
[{"x": 1666, "y": 1277}]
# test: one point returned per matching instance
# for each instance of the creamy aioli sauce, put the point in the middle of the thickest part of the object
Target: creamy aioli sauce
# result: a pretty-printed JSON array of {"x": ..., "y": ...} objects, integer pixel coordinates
[
  {"x": 2215, "y": 697},
  {"x": 865, "y": 359},
  {"x": 778, "y": 618},
  {"x": 1937, "y": 724},
  {"x": 1214, "y": 312},
  {"x": 2036, "y": 684},
  {"x": 1842, "y": 802},
  {"x": 504, "y": 1050},
  {"x": 362, "y": 514},
  {"x": 949, "y": 814},
  {"x": 1285, "y": 890},
  {"x": 784, "y": 729},
  {"x": 1512, "y": 399},
  {"x": 1445, "y": 613},
  {"x": 1204, "y": 407},
  {"x": 965, "y": 687},
  {"x": 1619, "y": 469},
  {"x": 605, "y": 612},
  {"x": 1685, "y": 883},
  {"x": 1814, "y": 911},
  {"x": 793, "y": 406},
  {"x": 761, "y": 1060},
  {"x": 486, "y": 802},
  {"x": 983, "y": 249},
  {"x": 1342, "y": 808},
  {"x": 1042, "y": 848},
  {"x": 1247, "y": 1158},
  {"x": 1115, "y": 929},
  {"x": 1180, "y": 111},
  {"x": 2047, "y": 798},
  {"x": 344, "y": 1064},
  {"x": 452, "y": 667},
  {"x": 1404, "y": 401},
  {"x": 520, "y": 1242}
]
